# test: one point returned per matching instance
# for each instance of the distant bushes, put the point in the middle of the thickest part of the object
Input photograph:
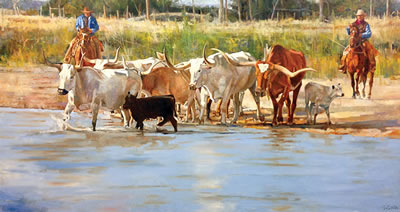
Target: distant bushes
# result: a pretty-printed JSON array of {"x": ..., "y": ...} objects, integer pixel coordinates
[{"x": 24, "y": 39}]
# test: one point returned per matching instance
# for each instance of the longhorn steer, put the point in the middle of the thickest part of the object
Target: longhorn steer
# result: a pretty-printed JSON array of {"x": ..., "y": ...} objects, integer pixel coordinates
[
  {"x": 221, "y": 80},
  {"x": 165, "y": 81},
  {"x": 281, "y": 71},
  {"x": 90, "y": 87},
  {"x": 194, "y": 66}
]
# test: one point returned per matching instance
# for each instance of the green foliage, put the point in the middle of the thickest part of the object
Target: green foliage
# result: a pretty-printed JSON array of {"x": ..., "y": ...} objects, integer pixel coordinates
[{"x": 322, "y": 45}]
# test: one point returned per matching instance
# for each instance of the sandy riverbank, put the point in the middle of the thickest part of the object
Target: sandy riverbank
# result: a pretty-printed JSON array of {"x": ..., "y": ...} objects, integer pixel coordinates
[{"x": 36, "y": 87}]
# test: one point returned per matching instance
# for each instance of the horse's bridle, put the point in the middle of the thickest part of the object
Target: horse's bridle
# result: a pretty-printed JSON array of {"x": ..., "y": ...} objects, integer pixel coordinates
[{"x": 358, "y": 44}]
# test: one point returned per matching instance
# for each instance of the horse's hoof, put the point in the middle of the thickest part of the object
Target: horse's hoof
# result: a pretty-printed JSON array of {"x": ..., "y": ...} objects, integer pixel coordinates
[{"x": 261, "y": 118}]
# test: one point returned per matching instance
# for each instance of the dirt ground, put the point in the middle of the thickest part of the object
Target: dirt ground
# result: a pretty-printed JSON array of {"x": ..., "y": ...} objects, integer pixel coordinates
[
  {"x": 36, "y": 87},
  {"x": 377, "y": 117}
]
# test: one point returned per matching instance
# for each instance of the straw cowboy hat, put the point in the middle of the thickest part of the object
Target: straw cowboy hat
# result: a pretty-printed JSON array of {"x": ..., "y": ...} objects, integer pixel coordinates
[
  {"x": 361, "y": 12},
  {"x": 86, "y": 10}
]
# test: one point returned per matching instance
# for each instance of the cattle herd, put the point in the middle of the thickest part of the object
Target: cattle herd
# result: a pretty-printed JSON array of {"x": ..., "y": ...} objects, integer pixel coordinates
[{"x": 149, "y": 88}]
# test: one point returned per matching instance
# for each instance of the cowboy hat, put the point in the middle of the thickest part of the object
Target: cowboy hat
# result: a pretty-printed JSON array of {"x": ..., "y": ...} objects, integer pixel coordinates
[
  {"x": 360, "y": 12},
  {"x": 86, "y": 10}
]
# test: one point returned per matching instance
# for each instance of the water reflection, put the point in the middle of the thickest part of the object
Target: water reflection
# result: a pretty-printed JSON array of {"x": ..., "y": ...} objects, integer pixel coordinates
[{"x": 200, "y": 168}]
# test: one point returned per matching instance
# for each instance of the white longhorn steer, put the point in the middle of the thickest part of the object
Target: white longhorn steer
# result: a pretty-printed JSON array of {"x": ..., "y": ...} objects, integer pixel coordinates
[
  {"x": 222, "y": 80},
  {"x": 194, "y": 67},
  {"x": 87, "y": 86}
]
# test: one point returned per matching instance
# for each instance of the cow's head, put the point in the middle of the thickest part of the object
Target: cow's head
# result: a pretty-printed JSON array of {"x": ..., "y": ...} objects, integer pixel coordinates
[
  {"x": 199, "y": 69},
  {"x": 337, "y": 91},
  {"x": 67, "y": 78},
  {"x": 195, "y": 68},
  {"x": 130, "y": 101},
  {"x": 200, "y": 76},
  {"x": 67, "y": 74}
]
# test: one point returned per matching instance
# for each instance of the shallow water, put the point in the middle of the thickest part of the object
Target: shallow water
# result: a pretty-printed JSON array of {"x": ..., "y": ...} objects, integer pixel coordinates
[{"x": 200, "y": 168}]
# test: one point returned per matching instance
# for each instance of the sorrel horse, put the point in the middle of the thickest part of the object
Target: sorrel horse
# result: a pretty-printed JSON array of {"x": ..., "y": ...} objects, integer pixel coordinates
[
  {"x": 357, "y": 63},
  {"x": 82, "y": 44}
]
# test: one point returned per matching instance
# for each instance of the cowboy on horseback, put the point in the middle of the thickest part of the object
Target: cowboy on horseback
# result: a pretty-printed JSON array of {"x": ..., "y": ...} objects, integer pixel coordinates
[
  {"x": 88, "y": 24},
  {"x": 365, "y": 30}
]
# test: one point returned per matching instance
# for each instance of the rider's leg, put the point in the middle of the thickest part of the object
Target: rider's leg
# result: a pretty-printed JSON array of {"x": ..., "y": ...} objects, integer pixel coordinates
[
  {"x": 99, "y": 47},
  {"x": 342, "y": 67},
  {"x": 68, "y": 54},
  {"x": 371, "y": 55}
]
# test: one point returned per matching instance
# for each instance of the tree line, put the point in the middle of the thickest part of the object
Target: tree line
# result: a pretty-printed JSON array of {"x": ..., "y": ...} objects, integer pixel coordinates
[{"x": 234, "y": 10}]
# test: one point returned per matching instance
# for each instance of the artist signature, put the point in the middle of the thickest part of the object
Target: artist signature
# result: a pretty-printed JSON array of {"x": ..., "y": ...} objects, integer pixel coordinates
[{"x": 391, "y": 207}]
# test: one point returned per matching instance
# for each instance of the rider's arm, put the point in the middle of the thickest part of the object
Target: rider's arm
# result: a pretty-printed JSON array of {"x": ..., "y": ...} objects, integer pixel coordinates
[
  {"x": 95, "y": 25},
  {"x": 78, "y": 23},
  {"x": 367, "y": 33}
]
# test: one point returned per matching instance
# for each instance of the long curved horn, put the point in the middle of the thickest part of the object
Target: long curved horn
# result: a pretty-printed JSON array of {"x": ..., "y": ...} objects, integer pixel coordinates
[
  {"x": 205, "y": 58},
  {"x": 116, "y": 56},
  {"x": 170, "y": 65},
  {"x": 265, "y": 52},
  {"x": 234, "y": 62},
  {"x": 124, "y": 63},
  {"x": 80, "y": 62},
  {"x": 160, "y": 55},
  {"x": 93, "y": 61},
  {"x": 183, "y": 67},
  {"x": 58, "y": 66},
  {"x": 151, "y": 68},
  {"x": 291, "y": 74}
]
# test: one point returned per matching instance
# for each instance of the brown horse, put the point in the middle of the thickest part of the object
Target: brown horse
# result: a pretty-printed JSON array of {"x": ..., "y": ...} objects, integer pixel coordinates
[
  {"x": 83, "y": 43},
  {"x": 357, "y": 63}
]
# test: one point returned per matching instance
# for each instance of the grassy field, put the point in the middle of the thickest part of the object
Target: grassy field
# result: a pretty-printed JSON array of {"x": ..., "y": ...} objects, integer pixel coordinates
[{"x": 22, "y": 38}]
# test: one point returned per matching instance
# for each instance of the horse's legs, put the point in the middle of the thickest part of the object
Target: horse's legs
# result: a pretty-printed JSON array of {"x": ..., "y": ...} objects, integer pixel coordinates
[
  {"x": 352, "y": 84},
  {"x": 358, "y": 76},
  {"x": 364, "y": 80},
  {"x": 371, "y": 82}
]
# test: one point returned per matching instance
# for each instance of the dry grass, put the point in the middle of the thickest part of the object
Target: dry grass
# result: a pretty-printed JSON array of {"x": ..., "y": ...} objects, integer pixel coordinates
[{"x": 24, "y": 37}]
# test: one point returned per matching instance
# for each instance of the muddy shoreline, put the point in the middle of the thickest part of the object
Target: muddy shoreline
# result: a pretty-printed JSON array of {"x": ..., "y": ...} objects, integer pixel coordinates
[{"x": 36, "y": 86}]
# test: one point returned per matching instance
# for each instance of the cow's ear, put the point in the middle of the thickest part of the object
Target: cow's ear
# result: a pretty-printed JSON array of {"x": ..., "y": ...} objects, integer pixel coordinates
[{"x": 333, "y": 86}]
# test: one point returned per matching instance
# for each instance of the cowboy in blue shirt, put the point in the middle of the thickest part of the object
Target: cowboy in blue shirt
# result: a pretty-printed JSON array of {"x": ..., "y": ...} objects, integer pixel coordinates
[
  {"x": 86, "y": 20},
  {"x": 371, "y": 52}
]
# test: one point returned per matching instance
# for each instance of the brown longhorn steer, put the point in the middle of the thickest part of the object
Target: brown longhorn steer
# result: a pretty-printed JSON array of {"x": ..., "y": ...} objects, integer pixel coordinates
[
  {"x": 283, "y": 72},
  {"x": 165, "y": 81}
]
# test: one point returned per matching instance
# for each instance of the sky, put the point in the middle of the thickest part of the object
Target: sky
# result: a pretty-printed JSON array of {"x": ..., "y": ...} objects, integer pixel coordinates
[{"x": 202, "y": 2}]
